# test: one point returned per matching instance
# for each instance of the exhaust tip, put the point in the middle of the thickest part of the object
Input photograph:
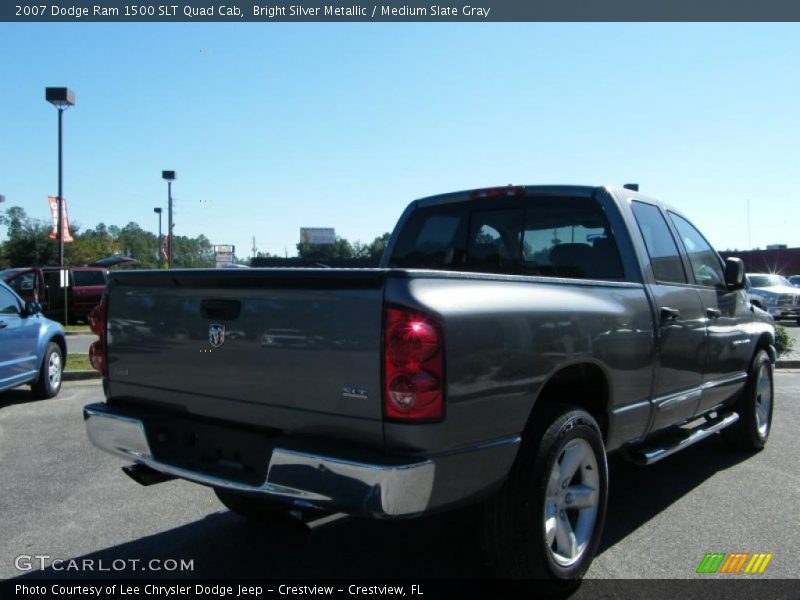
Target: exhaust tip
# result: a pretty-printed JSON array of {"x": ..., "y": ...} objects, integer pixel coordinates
[{"x": 144, "y": 475}]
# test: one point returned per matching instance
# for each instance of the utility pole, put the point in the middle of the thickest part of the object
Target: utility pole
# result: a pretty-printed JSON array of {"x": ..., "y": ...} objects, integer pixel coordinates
[{"x": 255, "y": 250}]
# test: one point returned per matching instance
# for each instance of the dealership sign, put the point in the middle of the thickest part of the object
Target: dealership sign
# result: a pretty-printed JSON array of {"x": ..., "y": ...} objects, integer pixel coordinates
[{"x": 224, "y": 255}]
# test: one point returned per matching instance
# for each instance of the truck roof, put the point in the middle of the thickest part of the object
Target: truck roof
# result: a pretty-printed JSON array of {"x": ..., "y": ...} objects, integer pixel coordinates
[{"x": 510, "y": 191}]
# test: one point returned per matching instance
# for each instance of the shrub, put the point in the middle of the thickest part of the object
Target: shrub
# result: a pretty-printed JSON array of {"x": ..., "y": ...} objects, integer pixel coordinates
[{"x": 783, "y": 341}]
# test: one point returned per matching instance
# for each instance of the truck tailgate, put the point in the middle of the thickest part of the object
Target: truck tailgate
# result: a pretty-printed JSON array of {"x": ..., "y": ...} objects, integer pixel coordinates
[{"x": 292, "y": 350}]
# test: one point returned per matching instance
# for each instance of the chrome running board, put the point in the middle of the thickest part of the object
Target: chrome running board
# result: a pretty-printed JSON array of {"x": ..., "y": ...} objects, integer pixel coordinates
[{"x": 679, "y": 439}]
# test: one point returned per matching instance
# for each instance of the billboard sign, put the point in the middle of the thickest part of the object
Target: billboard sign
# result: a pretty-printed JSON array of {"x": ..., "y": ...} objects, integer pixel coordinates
[{"x": 318, "y": 236}]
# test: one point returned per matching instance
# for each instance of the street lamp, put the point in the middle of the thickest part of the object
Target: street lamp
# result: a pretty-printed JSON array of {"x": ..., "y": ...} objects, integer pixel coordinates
[
  {"x": 62, "y": 98},
  {"x": 157, "y": 210},
  {"x": 170, "y": 177}
]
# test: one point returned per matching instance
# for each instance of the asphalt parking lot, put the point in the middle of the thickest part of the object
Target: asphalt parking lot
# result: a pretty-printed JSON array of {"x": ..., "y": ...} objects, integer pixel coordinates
[{"x": 61, "y": 497}]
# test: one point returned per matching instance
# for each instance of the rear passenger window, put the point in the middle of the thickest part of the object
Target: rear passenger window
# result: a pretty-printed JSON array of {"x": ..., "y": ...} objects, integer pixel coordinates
[{"x": 661, "y": 247}]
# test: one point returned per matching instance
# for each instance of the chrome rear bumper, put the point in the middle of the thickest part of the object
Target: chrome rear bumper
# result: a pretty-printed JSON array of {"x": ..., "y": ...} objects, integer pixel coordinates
[{"x": 325, "y": 482}]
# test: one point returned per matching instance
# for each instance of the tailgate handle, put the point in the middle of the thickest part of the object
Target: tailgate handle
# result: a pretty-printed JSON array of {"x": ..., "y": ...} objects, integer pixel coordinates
[{"x": 220, "y": 310}]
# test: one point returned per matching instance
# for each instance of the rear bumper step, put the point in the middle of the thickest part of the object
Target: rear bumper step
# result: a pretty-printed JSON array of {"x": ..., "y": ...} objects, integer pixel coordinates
[
  {"x": 302, "y": 479},
  {"x": 681, "y": 439}
]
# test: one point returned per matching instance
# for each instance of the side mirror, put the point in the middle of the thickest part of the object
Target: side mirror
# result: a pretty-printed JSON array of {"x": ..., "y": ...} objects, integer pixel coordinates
[
  {"x": 32, "y": 308},
  {"x": 734, "y": 273}
]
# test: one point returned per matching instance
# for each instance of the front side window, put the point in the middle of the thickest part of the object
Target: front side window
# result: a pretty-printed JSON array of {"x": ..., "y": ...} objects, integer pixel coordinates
[
  {"x": 23, "y": 283},
  {"x": 9, "y": 305},
  {"x": 665, "y": 259},
  {"x": 705, "y": 261}
]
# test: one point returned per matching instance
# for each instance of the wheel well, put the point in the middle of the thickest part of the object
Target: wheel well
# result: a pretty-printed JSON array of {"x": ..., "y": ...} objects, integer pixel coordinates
[
  {"x": 765, "y": 342},
  {"x": 583, "y": 385}
]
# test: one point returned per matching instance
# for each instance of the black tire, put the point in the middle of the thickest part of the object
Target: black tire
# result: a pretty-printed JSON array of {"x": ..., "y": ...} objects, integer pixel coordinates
[
  {"x": 49, "y": 382},
  {"x": 514, "y": 530},
  {"x": 752, "y": 430}
]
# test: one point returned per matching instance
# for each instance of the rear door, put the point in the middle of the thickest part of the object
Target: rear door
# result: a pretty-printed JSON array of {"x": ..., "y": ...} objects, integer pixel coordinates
[
  {"x": 680, "y": 322},
  {"x": 727, "y": 314}
]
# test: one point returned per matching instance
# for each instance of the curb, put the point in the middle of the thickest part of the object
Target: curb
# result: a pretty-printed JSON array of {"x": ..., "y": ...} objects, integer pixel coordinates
[
  {"x": 69, "y": 333},
  {"x": 787, "y": 364},
  {"x": 79, "y": 375}
]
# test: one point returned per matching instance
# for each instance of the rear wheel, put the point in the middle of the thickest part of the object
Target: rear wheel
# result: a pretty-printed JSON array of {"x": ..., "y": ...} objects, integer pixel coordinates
[
  {"x": 754, "y": 406},
  {"x": 546, "y": 521},
  {"x": 50, "y": 371}
]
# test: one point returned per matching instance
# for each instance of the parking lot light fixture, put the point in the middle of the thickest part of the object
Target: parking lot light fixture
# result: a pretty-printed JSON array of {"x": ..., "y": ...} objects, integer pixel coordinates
[
  {"x": 62, "y": 98},
  {"x": 169, "y": 176}
]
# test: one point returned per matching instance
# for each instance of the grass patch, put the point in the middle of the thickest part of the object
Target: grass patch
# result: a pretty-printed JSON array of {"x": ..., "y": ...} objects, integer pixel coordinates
[
  {"x": 77, "y": 329},
  {"x": 78, "y": 362}
]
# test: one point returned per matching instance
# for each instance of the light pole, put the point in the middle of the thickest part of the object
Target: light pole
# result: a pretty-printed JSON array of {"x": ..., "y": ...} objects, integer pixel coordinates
[
  {"x": 157, "y": 210},
  {"x": 62, "y": 98},
  {"x": 170, "y": 177}
]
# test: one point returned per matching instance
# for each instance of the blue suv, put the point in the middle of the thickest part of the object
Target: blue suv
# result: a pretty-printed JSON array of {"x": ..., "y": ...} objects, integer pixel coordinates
[{"x": 33, "y": 349}]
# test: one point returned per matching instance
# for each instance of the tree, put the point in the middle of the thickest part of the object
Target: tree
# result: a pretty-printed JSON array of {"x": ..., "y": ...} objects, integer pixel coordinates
[
  {"x": 342, "y": 248},
  {"x": 28, "y": 244}
]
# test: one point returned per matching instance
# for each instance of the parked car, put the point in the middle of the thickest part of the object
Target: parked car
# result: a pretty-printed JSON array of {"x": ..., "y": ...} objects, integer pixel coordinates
[
  {"x": 795, "y": 280},
  {"x": 510, "y": 339},
  {"x": 43, "y": 285},
  {"x": 33, "y": 349},
  {"x": 774, "y": 294}
]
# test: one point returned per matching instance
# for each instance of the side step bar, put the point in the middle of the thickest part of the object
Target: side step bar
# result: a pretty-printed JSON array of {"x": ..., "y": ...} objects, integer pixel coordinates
[{"x": 680, "y": 439}]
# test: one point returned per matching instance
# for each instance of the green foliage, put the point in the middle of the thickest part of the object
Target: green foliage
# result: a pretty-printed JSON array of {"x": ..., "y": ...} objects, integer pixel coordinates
[
  {"x": 783, "y": 341},
  {"x": 343, "y": 248},
  {"x": 28, "y": 244}
]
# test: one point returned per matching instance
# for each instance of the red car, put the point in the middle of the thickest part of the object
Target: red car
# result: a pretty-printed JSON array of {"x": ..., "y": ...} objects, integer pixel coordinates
[{"x": 42, "y": 285}]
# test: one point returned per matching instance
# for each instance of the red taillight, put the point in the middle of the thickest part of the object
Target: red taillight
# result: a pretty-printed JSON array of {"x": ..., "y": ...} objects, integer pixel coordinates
[
  {"x": 413, "y": 366},
  {"x": 97, "y": 323}
]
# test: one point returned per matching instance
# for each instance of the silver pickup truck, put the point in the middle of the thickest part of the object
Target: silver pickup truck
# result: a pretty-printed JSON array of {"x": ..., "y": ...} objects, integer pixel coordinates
[{"x": 510, "y": 339}]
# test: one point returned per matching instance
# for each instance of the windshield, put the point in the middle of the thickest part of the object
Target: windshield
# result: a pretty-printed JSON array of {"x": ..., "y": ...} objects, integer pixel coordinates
[
  {"x": 768, "y": 281},
  {"x": 6, "y": 273}
]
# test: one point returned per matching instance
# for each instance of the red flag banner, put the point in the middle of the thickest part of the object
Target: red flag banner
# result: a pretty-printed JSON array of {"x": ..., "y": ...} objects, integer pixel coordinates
[
  {"x": 165, "y": 241},
  {"x": 54, "y": 217}
]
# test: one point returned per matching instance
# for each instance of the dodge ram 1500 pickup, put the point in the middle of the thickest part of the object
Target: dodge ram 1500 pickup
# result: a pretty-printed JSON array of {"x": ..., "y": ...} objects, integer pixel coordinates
[{"x": 510, "y": 339}]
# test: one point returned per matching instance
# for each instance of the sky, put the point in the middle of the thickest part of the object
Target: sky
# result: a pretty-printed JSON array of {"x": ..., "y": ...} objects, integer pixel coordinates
[{"x": 276, "y": 126}]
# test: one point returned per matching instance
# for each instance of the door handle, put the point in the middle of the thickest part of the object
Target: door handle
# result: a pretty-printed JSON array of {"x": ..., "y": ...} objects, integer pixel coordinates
[
  {"x": 669, "y": 314},
  {"x": 713, "y": 313},
  {"x": 3, "y": 324}
]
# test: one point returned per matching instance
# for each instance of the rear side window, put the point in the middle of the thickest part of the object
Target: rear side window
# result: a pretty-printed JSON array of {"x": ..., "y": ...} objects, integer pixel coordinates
[
  {"x": 559, "y": 237},
  {"x": 82, "y": 278},
  {"x": 661, "y": 247}
]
